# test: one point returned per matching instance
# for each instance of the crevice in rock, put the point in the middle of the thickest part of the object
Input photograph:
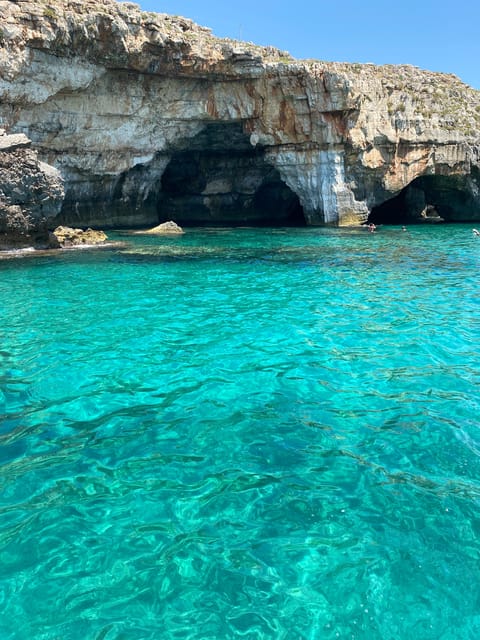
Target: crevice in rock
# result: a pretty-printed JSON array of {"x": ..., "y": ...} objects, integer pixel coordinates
[
  {"x": 433, "y": 198},
  {"x": 219, "y": 178}
]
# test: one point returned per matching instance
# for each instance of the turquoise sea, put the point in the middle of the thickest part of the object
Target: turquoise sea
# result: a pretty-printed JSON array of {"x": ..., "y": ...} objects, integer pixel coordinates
[{"x": 243, "y": 434}]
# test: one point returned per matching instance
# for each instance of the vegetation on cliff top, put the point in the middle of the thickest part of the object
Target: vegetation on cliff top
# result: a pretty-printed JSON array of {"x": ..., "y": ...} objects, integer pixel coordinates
[{"x": 121, "y": 33}]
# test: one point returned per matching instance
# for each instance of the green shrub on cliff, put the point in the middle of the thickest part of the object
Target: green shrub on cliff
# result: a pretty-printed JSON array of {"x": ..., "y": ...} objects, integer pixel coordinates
[{"x": 50, "y": 13}]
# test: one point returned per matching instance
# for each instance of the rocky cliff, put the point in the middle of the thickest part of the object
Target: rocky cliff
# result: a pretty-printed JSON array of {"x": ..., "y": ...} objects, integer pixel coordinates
[
  {"x": 148, "y": 117},
  {"x": 31, "y": 194}
]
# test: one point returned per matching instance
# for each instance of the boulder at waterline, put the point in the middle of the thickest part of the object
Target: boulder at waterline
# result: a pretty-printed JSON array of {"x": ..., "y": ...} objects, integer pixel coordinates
[
  {"x": 70, "y": 237},
  {"x": 166, "y": 228}
]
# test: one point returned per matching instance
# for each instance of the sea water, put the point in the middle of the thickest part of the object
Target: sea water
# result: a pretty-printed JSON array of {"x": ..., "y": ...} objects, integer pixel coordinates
[{"x": 243, "y": 433}]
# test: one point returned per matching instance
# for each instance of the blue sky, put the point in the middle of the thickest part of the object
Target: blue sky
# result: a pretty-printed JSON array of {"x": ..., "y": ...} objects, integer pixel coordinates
[{"x": 439, "y": 36}]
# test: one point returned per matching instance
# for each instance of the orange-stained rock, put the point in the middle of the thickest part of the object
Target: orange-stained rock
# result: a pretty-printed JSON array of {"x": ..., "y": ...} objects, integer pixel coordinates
[{"x": 147, "y": 115}]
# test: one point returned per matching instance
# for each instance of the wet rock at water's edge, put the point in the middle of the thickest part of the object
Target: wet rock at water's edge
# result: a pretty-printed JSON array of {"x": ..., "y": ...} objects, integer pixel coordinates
[
  {"x": 149, "y": 116},
  {"x": 63, "y": 237},
  {"x": 165, "y": 228}
]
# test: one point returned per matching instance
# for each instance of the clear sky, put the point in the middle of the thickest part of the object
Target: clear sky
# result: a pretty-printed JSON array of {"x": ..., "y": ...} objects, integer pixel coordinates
[{"x": 431, "y": 34}]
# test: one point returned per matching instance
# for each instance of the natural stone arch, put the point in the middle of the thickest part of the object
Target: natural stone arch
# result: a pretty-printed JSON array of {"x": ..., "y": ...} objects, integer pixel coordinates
[
  {"x": 430, "y": 198},
  {"x": 218, "y": 177}
]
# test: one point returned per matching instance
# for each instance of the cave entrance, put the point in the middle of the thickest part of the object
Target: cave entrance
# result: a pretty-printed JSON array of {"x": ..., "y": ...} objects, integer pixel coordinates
[
  {"x": 391, "y": 211},
  {"x": 433, "y": 198},
  {"x": 221, "y": 179}
]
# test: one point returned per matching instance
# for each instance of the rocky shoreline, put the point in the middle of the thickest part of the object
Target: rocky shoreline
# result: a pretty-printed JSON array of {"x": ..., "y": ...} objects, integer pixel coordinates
[
  {"x": 60, "y": 239},
  {"x": 114, "y": 117},
  {"x": 68, "y": 238}
]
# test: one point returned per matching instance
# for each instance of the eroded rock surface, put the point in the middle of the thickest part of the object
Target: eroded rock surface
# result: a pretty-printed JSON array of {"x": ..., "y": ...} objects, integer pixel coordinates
[
  {"x": 148, "y": 116},
  {"x": 31, "y": 194},
  {"x": 165, "y": 228},
  {"x": 72, "y": 237}
]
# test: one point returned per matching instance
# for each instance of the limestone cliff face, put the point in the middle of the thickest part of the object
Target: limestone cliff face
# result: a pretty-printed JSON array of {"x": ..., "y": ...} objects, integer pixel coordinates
[
  {"x": 149, "y": 117},
  {"x": 31, "y": 194}
]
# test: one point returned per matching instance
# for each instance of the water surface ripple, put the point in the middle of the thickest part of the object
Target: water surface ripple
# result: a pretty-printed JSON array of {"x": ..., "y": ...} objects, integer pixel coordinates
[{"x": 256, "y": 434}]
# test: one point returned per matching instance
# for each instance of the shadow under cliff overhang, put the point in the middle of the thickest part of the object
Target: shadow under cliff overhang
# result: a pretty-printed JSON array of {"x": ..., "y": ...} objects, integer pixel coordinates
[
  {"x": 219, "y": 178},
  {"x": 109, "y": 200},
  {"x": 432, "y": 198}
]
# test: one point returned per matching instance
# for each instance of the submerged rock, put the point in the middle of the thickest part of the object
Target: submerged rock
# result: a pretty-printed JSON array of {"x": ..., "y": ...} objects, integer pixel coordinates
[{"x": 70, "y": 237}]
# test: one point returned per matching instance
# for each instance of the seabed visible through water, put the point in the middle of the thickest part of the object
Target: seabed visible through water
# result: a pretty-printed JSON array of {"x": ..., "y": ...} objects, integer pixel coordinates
[{"x": 243, "y": 433}]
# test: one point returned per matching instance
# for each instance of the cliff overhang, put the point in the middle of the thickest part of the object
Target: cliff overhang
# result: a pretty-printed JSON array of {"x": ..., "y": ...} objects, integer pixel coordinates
[{"x": 148, "y": 117}]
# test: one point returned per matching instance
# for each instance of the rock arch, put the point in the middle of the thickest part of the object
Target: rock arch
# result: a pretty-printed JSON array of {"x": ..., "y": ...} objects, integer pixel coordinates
[
  {"x": 218, "y": 177},
  {"x": 430, "y": 198}
]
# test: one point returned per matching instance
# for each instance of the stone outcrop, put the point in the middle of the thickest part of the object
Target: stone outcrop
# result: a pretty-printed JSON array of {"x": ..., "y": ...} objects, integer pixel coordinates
[
  {"x": 31, "y": 194},
  {"x": 148, "y": 117},
  {"x": 63, "y": 237},
  {"x": 166, "y": 228}
]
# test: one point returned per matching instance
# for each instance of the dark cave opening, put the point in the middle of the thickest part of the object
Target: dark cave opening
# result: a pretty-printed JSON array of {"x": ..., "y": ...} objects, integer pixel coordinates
[
  {"x": 433, "y": 198},
  {"x": 220, "y": 179},
  {"x": 391, "y": 211}
]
